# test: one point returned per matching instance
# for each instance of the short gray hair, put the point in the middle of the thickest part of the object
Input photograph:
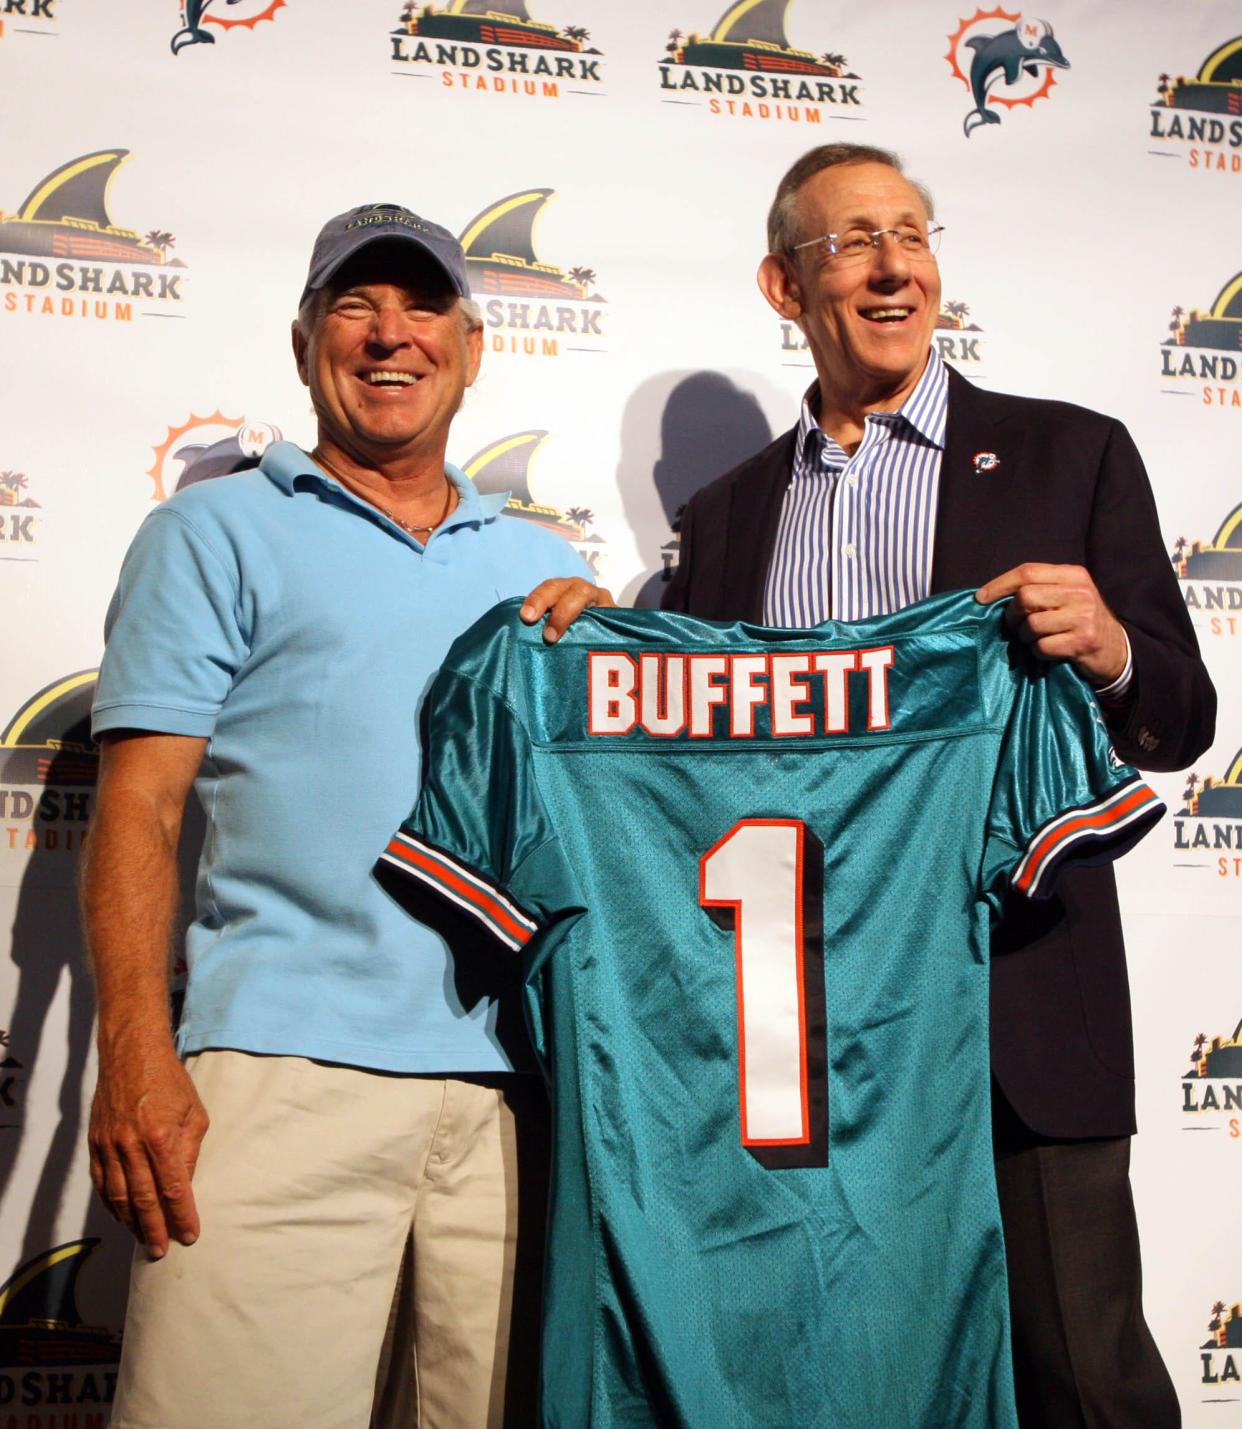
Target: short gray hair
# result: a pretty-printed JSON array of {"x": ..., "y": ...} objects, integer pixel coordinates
[
  {"x": 783, "y": 215},
  {"x": 310, "y": 311}
]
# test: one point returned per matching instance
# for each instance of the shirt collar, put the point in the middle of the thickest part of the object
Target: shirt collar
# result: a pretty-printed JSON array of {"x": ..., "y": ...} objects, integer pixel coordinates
[
  {"x": 925, "y": 409},
  {"x": 286, "y": 466}
]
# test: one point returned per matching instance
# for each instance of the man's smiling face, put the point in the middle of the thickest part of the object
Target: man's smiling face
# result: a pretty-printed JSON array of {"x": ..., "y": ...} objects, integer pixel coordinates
[
  {"x": 388, "y": 357},
  {"x": 870, "y": 324}
]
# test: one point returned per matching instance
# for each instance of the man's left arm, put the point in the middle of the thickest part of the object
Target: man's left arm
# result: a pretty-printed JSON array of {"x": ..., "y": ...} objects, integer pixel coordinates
[{"x": 1123, "y": 603}]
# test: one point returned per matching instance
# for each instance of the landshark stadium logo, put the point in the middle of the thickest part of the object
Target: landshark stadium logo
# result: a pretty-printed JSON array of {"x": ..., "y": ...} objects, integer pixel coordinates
[
  {"x": 48, "y": 768},
  {"x": 1220, "y": 1362},
  {"x": 530, "y": 308},
  {"x": 28, "y": 17},
  {"x": 745, "y": 68},
  {"x": 196, "y": 15},
  {"x": 12, "y": 1084},
  {"x": 1207, "y": 831},
  {"x": 956, "y": 339},
  {"x": 205, "y": 447},
  {"x": 1205, "y": 349},
  {"x": 1211, "y": 579},
  {"x": 51, "y": 1360},
  {"x": 505, "y": 465},
  {"x": 495, "y": 47},
  {"x": 999, "y": 45},
  {"x": 1202, "y": 117},
  {"x": 20, "y": 519},
  {"x": 62, "y": 256},
  {"x": 1212, "y": 1088}
]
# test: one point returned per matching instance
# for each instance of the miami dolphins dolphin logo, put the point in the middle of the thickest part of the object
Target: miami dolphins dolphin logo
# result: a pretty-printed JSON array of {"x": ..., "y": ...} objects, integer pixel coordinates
[
  {"x": 193, "y": 30},
  {"x": 1026, "y": 47}
]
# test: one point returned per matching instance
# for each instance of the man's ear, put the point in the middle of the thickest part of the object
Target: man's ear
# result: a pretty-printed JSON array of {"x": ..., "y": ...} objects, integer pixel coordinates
[
  {"x": 778, "y": 282},
  {"x": 474, "y": 353},
  {"x": 299, "y": 352}
]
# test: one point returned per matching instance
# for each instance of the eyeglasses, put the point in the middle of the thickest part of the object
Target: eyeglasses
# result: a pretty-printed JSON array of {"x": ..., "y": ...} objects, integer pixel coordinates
[{"x": 859, "y": 246}]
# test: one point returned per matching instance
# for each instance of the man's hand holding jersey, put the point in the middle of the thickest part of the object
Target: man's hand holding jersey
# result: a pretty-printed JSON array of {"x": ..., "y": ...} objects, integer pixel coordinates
[
  {"x": 1059, "y": 610},
  {"x": 562, "y": 600}
]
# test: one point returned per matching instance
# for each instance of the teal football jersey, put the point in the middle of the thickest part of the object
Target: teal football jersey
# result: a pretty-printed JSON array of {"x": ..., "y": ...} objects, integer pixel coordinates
[{"x": 750, "y": 873}]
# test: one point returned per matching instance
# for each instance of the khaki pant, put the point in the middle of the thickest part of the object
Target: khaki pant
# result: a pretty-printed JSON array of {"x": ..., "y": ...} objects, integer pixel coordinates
[{"x": 315, "y": 1183}]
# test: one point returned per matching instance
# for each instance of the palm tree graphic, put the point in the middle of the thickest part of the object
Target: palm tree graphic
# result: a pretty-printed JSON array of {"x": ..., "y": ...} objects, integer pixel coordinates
[
  {"x": 11, "y": 484},
  {"x": 1217, "y": 1311},
  {"x": 585, "y": 276},
  {"x": 958, "y": 310},
  {"x": 833, "y": 61},
  {"x": 581, "y": 516},
  {"x": 1200, "y": 1043},
  {"x": 160, "y": 240},
  {"x": 1179, "y": 550},
  {"x": 576, "y": 32}
]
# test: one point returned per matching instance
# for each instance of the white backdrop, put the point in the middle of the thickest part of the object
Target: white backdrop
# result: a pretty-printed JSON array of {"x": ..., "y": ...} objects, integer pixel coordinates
[{"x": 1090, "y": 236}]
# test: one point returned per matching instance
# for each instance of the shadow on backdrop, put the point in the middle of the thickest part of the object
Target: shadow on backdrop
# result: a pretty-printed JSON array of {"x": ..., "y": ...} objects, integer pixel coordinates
[
  {"x": 679, "y": 431},
  {"x": 47, "y": 946}
]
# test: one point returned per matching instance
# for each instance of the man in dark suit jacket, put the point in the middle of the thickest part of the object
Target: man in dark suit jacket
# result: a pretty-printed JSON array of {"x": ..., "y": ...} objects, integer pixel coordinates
[{"x": 1047, "y": 503}]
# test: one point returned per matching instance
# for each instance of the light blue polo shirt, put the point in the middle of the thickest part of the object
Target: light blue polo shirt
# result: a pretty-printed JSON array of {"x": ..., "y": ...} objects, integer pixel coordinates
[{"x": 296, "y": 629}]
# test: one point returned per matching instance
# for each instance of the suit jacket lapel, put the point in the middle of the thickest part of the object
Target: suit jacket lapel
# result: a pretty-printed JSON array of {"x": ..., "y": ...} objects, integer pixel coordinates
[
  {"x": 754, "y": 515},
  {"x": 973, "y": 504}
]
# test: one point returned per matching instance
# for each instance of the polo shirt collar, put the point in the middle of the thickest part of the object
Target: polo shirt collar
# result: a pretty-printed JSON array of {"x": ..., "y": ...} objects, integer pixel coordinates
[
  {"x": 925, "y": 409},
  {"x": 285, "y": 464}
]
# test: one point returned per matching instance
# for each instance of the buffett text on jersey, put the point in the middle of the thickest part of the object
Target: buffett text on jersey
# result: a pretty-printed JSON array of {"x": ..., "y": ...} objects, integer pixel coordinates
[{"x": 802, "y": 693}]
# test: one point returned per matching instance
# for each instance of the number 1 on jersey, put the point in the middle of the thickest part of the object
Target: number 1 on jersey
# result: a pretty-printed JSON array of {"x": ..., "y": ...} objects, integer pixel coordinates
[{"x": 764, "y": 880}]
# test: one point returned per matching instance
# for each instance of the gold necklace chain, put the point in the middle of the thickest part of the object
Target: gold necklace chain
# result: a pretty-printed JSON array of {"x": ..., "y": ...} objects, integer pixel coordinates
[{"x": 379, "y": 505}]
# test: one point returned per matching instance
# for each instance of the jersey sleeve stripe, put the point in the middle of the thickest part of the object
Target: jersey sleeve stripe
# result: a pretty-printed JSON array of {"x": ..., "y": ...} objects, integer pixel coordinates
[
  {"x": 462, "y": 886},
  {"x": 1070, "y": 834}
]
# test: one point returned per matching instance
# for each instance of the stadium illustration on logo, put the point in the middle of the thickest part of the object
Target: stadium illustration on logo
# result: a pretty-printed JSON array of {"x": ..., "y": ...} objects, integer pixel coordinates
[
  {"x": 1022, "y": 52},
  {"x": 1220, "y": 559},
  {"x": 195, "y": 17},
  {"x": 1215, "y": 89},
  {"x": 504, "y": 465},
  {"x": 66, "y": 215},
  {"x": 48, "y": 740},
  {"x": 17, "y": 515},
  {"x": 1220, "y": 1057},
  {"x": 499, "y": 245},
  {"x": 220, "y": 445},
  {"x": 1224, "y": 1328},
  {"x": 41, "y": 1326},
  {"x": 489, "y": 22},
  {"x": 1220, "y": 327},
  {"x": 1212, "y": 798},
  {"x": 750, "y": 35},
  {"x": 952, "y": 316}
]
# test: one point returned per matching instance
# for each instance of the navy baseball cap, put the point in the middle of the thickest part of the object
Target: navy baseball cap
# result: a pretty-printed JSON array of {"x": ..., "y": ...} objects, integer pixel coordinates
[{"x": 341, "y": 237}]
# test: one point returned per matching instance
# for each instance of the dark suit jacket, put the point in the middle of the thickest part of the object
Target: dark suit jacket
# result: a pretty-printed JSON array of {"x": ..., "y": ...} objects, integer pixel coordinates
[{"x": 1069, "y": 487}]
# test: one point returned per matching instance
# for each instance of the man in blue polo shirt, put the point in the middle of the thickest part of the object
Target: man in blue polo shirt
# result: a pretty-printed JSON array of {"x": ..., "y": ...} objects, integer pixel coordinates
[{"x": 270, "y": 641}]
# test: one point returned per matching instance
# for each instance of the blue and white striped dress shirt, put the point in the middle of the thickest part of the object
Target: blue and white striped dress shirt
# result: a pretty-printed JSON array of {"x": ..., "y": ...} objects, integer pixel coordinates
[{"x": 855, "y": 534}]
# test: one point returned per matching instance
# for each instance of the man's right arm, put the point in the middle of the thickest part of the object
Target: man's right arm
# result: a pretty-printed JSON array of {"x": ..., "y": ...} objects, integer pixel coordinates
[{"x": 147, "y": 1121}]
